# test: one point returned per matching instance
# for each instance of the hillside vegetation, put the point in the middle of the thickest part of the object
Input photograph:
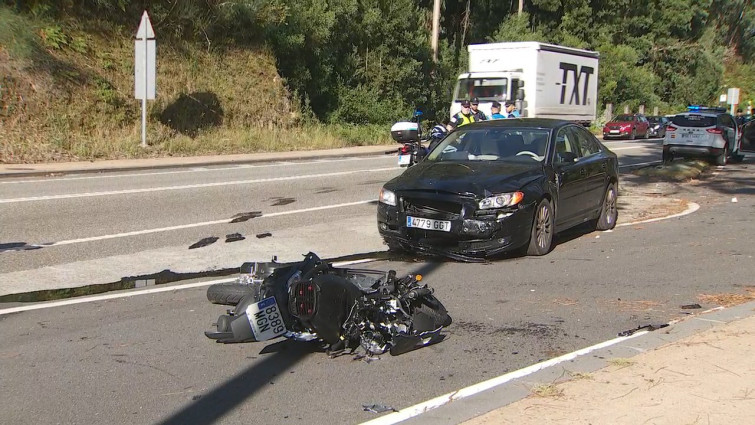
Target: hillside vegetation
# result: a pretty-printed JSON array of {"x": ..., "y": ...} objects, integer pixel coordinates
[{"x": 263, "y": 75}]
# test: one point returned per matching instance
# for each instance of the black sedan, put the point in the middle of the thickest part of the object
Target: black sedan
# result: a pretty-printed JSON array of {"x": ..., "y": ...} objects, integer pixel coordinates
[{"x": 501, "y": 185}]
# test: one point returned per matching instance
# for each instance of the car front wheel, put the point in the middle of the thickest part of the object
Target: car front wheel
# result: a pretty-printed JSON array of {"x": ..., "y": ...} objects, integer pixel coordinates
[{"x": 541, "y": 235}]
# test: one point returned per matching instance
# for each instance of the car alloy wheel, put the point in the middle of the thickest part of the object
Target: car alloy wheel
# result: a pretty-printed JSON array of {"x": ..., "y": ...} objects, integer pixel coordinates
[
  {"x": 721, "y": 159},
  {"x": 541, "y": 237},
  {"x": 609, "y": 212}
]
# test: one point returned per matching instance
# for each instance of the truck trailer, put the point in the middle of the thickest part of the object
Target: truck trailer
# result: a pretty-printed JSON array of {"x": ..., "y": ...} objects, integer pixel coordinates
[{"x": 545, "y": 80}]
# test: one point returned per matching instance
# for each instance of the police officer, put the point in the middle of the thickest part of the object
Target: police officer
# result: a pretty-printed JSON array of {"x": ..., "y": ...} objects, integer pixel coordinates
[
  {"x": 461, "y": 118},
  {"x": 495, "y": 111},
  {"x": 511, "y": 111},
  {"x": 478, "y": 114}
]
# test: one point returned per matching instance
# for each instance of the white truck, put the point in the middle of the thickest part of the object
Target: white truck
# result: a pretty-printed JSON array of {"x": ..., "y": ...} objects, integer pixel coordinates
[{"x": 545, "y": 80}]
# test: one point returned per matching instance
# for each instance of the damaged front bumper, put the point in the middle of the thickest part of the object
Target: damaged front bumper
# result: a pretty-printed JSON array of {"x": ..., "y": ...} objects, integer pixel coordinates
[{"x": 472, "y": 235}]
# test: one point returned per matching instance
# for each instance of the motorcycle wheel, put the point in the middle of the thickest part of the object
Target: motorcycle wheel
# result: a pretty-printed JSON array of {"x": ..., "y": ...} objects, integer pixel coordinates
[
  {"x": 227, "y": 293},
  {"x": 430, "y": 315}
]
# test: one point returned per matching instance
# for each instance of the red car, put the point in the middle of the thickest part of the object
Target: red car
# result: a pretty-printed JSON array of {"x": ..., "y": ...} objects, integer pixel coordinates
[{"x": 627, "y": 126}]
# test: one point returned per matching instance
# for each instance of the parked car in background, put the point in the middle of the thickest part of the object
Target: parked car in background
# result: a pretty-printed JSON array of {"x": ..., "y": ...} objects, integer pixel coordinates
[
  {"x": 703, "y": 132},
  {"x": 657, "y": 126},
  {"x": 501, "y": 185},
  {"x": 627, "y": 126}
]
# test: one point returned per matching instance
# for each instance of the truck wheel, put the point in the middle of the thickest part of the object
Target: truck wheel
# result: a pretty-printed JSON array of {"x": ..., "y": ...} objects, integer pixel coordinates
[{"x": 227, "y": 293}]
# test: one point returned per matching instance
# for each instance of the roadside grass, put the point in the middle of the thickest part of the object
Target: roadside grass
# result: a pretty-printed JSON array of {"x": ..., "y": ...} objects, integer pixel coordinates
[
  {"x": 66, "y": 94},
  {"x": 676, "y": 171},
  {"x": 621, "y": 362},
  {"x": 548, "y": 391},
  {"x": 580, "y": 376},
  {"x": 728, "y": 299}
]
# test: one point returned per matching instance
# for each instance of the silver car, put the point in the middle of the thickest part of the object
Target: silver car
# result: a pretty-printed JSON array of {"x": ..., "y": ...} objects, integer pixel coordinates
[{"x": 702, "y": 132}]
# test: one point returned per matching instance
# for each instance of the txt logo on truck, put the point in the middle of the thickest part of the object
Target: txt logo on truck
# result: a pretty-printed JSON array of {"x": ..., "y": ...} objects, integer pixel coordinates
[{"x": 581, "y": 75}]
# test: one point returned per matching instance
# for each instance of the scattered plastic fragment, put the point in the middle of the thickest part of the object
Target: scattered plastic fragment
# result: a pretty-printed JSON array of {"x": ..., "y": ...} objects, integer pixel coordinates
[
  {"x": 238, "y": 218},
  {"x": 734, "y": 199},
  {"x": 234, "y": 237},
  {"x": 264, "y": 235},
  {"x": 690, "y": 306},
  {"x": 204, "y": 242},
  {"x": 642, "y": 328},
  {"x": 378, "y": 408}
]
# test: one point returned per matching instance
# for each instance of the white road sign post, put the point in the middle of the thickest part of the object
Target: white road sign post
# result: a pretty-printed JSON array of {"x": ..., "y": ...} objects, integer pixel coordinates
[
  {"x": 733, "y": 98},
  {"x": 144, "y": 68}
]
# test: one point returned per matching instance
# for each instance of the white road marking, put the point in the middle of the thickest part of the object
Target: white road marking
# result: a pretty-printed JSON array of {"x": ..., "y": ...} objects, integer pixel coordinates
[
  {"x": 205, "y": 223},
  {"x": 691, "y": 207},
  {"x": 436, "y": 402},
  {"x": 179, "y": 287},
  {"x": 193, "y": 186},
  {"x": 197, "y": 169}
]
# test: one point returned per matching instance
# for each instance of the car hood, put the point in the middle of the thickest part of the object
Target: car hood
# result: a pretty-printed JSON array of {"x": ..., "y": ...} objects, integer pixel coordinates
[
  {"x": 618, "y": 123},
  {"x": 480, "y": 178}
]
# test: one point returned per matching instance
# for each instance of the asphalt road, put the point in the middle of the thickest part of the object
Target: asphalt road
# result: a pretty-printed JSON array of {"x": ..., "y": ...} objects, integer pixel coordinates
[
  {"x": 144, "y": 359},
  {"x": 100, "y": 228}
]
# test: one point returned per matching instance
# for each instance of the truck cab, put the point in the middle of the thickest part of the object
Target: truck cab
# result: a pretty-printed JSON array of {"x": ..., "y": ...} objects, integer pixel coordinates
[{"x": 544, "y": 80}]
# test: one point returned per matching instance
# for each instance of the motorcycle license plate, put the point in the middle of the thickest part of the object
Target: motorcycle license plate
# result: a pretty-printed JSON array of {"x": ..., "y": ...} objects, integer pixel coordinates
[
  {"x": 404, "y": 160},
  {"x": 266, "y": 319},
  {"x": 428, "y": 224}
]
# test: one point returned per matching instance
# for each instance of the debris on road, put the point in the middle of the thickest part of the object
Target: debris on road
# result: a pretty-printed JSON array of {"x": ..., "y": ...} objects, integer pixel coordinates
[
  {"x": 642, "y": 328},
  {"x": 234, "y": 237},
  {"x": 204, "y": 242},
  {"x": 378, "y": 408},
  {"x": 241, "y": 217},
  {"x": 264, "y": 235},
  {"x": 690, "y": 306}
]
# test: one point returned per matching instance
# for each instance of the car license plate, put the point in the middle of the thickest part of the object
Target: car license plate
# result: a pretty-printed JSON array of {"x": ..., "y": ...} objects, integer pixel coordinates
[
  {"x": 266, "y": 319},
  {"x": 404, "y": 160},
  {"x": 614, "y": 131},
  {"x": 428, "y": 224}
]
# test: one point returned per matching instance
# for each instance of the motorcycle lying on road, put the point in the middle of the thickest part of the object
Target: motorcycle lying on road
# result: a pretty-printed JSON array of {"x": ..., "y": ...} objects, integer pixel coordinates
[
  {"x": 343, "y": 308},
  {"x": 409, "y": 134}
]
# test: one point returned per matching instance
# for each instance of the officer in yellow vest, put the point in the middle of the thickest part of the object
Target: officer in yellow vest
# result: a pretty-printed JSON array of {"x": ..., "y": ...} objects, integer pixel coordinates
[{"x": 462, "y": 118}]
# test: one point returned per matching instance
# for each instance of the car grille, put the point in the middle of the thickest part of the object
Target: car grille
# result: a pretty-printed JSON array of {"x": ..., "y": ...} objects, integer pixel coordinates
[
  {"x": 303, "y": 301},
  {"x": 431, "y": 208}
]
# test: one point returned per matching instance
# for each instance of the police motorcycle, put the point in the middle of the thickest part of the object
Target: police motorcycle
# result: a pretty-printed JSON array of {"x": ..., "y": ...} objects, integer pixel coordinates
[
  {"x": 344, "y": 309},
  {"x": 409, "y": 133}
]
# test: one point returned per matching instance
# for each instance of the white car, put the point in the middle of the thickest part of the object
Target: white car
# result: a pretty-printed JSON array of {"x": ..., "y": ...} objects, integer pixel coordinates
[{"x": 702, "y": 132}]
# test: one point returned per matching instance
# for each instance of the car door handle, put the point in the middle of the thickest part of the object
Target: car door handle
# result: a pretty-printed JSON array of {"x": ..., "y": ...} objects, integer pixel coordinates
[{"x": 582, "y": 171}]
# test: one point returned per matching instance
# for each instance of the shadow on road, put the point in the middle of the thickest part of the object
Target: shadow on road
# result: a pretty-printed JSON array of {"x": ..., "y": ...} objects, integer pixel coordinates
[{"x": 211, "y": 407}]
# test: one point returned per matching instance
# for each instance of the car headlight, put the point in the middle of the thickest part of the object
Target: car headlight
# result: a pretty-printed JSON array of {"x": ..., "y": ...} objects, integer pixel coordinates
[
  {"x": 387, "y": 197},
  {"x": 501, "y": 200}
]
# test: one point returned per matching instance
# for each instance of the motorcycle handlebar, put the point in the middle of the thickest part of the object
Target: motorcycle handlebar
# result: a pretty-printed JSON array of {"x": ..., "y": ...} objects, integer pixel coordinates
[{"x": 417, "y": 293}]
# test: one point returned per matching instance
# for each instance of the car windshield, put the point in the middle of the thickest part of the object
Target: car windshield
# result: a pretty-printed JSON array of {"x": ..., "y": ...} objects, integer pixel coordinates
[
  {"x": 693, "y": 121},
  {"x": 493, "y": 144},
  {"x": 485, "y": 89},
  {"x": 624, "y": 118}
]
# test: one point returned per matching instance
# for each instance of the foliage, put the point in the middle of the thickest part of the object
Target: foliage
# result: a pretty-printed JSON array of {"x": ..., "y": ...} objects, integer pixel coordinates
[{"x": 341, "y": 62}]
